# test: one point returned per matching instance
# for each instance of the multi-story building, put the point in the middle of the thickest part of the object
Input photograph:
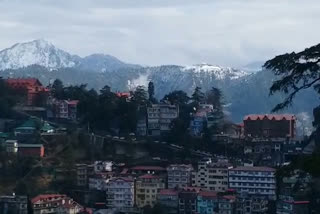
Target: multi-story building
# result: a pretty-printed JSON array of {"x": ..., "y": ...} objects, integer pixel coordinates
[
  {"x": 160, "y": 117},
  {"x": 212, "y": 175},
  {"x": 188, "y": 200},
  {"x": 30, "y": 87},
  {"x": 55, "y": 203},
  {"x": 226, "y": 204},
  {"x": 270, "y": 126},
  {"x": 207, "y": 202},
  {"x": 179, "y": 175},
  {"x": 253, "y": 181},
  {"x": 99, "y": 181},
  {"x": 120, "y": 193},
  {"x": 13, "y": 204},
  {"x": 83, "y": 172},
  {"x": 169, "y": 199},
  {"x": 65, "y": 109},
  {"x": 147, "y": 188},
  {"x": 245, "y": 205}
]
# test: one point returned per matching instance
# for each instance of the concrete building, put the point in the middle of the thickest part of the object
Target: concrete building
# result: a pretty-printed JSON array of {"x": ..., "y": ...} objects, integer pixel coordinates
[
  {"x": 270, "y": 126},
  {"x": 245, "y": 205},
  {"x": 102, "y": 166},
  {"x": 212, "y": 175},
  {"x": 179, "y": 176},
  {"x": 147, "y": 188},
  {"x": 160, "y": 117},
  {"x": 287, "y": 205},
  {"x": 169, "y": 199},
  {"x": 99, "y": 181},
  {"x": 253, "y": 181},
  {"x": 11, "y": 146},
  {"x": 207, "y": 202},
  {"x": 188, "y": 200},
  {"x": 31, "y": 150},
  {"x": 54, "y": 204},
  {"x": 83, "y": 172},
  {"x": 120, "y": 193},
  {"x": 13, "y": 204}
]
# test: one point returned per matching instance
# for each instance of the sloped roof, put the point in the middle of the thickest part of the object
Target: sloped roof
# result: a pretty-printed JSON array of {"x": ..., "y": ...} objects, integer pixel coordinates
[
  {"x": 31, "y": 123},
  {"x": 155, "y": 168},
  {"x": 46, "y": 197},
  {"x": 168, "y": 192},
  {"x": 208, "y": 194},
  {"x": 253, "y": 168},
  {"x": 270, "y": 117},
  {"x": 46, "y": 127}
]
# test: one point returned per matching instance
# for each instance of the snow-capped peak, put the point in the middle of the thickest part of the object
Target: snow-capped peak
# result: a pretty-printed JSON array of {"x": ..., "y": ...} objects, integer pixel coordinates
[
  {"x": 218, "y": 71},
  {"x": 40, "y": 52}
]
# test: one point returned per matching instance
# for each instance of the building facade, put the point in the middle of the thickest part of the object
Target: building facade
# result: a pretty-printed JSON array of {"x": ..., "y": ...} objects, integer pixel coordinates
[
  {"x": 253, "y": 181},
  {"x": 120, "y": 193},
  {"x": 212, "y": 175},
  {"x": 147, "y": 188},
  {"x": 31, "y": 150},
  {"x": 270, "y": 126},
  {"x": 30, "y": 87},
  {"x": 55, "y": 203},
  {"x": 160, "y": 117},
  {"x": 188, "y": 200},
  {"x": 169, "y": 199},
  {"x": 13, "y": 204},
  {"x": 179, "y": 176}
]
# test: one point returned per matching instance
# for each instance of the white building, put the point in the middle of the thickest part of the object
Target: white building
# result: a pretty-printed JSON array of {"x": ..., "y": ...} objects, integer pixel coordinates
[
  {"x": 99, "y": 181},
  {"x": 160, "y": 117},
  {"x": 120, "y": 193},
  {"x": 212, "y": 175},
  {"x": 253, "y": 181},
  {"x": 11, "y": 146},
  {"x": 179, "y": 175},
  {"x": 102, "y": 166}
]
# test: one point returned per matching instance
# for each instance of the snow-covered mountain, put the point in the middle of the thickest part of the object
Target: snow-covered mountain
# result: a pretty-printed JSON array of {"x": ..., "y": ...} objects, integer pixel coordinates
[
  {"x": 39, "y": 52},
  {"x": 43, "y": 53}
]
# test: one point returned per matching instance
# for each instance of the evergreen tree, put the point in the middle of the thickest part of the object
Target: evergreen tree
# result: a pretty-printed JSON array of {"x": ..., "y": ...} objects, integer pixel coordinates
[
  {"x": 57, "y": 89},
  {"x": 176, "y": 98},
  {"x": 139, "y": 96},
  {"x": 151, "y": 93},
  {"x": 197, "y": 97}
]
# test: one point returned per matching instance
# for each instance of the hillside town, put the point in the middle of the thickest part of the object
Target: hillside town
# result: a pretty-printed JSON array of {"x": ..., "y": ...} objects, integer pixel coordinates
[{"x": 168, "y": 156}]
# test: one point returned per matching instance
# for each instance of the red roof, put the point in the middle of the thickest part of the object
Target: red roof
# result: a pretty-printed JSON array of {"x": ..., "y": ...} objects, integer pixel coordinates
[
  {"x": 192, "y": 189},
  {"x": 270, "y": 117},
  {"x": 123, "y": 94},
  {"x": 149, "y": 176},
  {"x": 46, "y": 197},
  {"x": 297, "y": 202},
  {"x": 73, "y": 102},
  {"x": 154, "y": 168},
  {"x": 253, "y": 168},
  {"x": 30, "y": 81},
  {"x": 122, "y": 178},
  {"x": 229, "y": 197},
  {"x": 168, "y": 192},
  {"x": 208, "y": 194}
]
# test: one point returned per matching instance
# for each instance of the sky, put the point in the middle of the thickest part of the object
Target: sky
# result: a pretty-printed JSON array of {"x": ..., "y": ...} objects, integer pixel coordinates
[{"x": 153, "y": 32}]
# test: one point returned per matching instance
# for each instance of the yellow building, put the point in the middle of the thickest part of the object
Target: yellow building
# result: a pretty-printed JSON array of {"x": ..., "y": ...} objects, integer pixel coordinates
[{"x": 147, "y": 188}]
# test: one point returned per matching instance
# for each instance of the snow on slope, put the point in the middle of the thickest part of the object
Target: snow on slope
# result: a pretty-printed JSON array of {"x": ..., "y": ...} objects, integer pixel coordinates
[
  {"x": 218, "y": 71},
  {"x": 38, "y": 52}
]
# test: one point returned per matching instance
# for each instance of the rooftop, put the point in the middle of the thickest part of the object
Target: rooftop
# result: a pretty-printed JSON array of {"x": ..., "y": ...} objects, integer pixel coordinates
[
  {"x": 168, "y": 192},
  {"x": 46, "y": 197},
  {"x": 23, "y": 145},
  {"x": 253, "y": 168},
  {"x": 154, "y": 168},
  {"x": 270, "y": 117}
]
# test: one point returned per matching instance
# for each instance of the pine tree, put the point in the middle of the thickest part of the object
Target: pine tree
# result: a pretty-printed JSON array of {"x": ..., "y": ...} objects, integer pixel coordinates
[{"x": 151, "y": 92}]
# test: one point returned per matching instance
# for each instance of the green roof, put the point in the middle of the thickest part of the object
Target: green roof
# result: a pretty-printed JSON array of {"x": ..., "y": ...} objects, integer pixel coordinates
[
  {"x": 4, "y": 135},
  {"x": 46, "y": 127},
  {"x": 31, "y": 123}
]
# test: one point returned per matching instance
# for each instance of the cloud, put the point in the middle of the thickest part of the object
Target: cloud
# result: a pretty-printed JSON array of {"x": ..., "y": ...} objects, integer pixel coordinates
[{"x": 228, "y": 32}]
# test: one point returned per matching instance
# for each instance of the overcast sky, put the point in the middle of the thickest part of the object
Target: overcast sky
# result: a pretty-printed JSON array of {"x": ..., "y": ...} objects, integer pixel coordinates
[{"x": 153, "y": 32}]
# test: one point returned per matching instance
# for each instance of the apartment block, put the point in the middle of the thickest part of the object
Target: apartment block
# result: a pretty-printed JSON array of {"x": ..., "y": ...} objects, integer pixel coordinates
[
  {"x": 160, "y": 117},
  {"x": 179, "y": 176},
  {"x": 147, "y": 188},
  {"x": 120, "y": 193},
  {"x": 13, "y": 204},
  {"x": 253, "y": 181},
  {"x": 212, "y": 175}
]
